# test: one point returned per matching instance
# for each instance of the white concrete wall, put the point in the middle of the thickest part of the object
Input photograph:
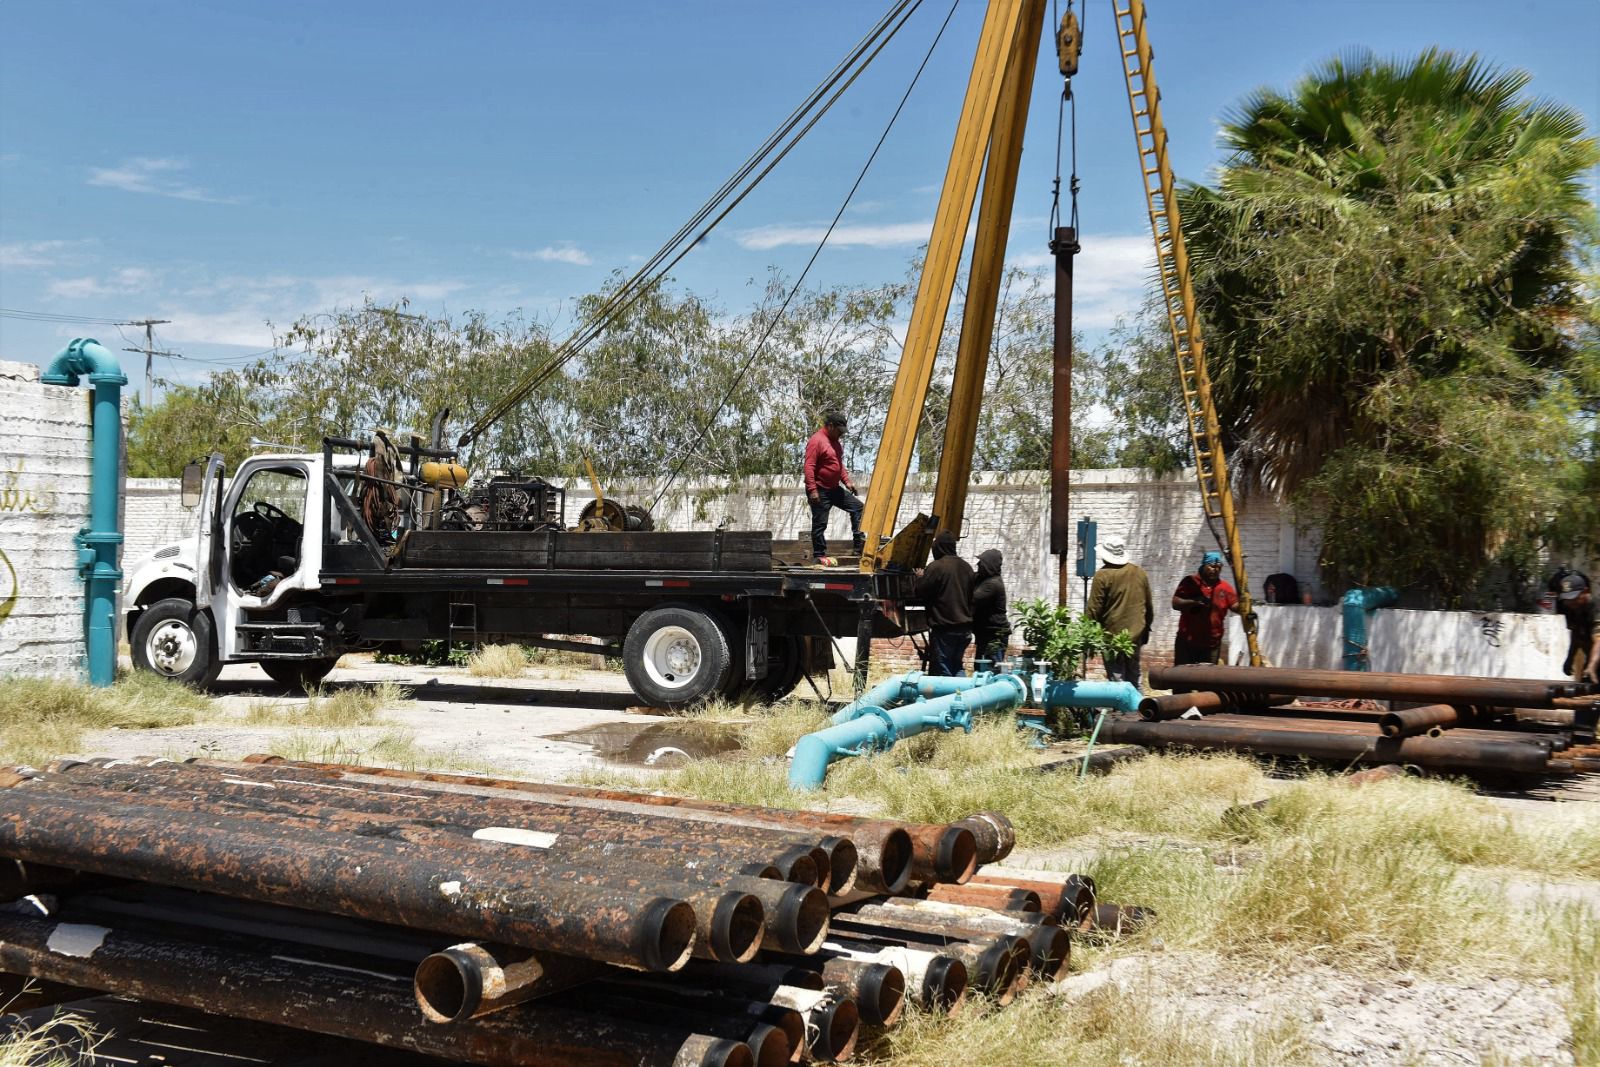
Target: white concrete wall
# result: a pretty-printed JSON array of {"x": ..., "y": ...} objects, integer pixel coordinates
[
  {"x": 44, "y": 502},
  {"x": 1496, "y": 644}
]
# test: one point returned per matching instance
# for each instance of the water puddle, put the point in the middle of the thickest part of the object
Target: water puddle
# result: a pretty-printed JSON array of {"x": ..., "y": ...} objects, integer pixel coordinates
[{"x": 658, "y": 744}]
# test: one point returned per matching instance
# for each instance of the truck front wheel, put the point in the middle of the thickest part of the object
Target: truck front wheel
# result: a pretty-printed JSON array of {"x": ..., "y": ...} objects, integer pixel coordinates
[
  {"x": 675, "y": 656},
  {"x": 173, "y": 639}
]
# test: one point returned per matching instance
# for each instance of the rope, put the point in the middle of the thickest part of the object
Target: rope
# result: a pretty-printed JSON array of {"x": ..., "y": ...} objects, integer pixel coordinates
[{"x": 777, "y": 316}]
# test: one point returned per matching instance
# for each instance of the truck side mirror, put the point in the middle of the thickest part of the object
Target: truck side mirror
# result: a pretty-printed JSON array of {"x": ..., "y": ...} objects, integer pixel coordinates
[{"x": 194, "y": 478}]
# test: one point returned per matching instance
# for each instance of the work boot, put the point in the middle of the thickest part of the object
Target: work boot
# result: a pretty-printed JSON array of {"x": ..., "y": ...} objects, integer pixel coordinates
[{"x": 859, "y": 543}]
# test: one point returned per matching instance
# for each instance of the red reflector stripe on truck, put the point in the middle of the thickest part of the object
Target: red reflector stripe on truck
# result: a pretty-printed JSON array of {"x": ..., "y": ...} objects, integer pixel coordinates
[
  {"x": 669, "y": 583},
  {"x": 837, "y": 587},
  {"x": 347, "y": 581},
  {"x": 508, "y": 581}
]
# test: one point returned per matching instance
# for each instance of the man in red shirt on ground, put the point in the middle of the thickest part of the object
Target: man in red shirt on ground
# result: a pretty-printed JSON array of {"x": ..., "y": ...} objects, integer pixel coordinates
[
  {"x": 1204, "y": 600},
  {"x": 828, "y": 485}
]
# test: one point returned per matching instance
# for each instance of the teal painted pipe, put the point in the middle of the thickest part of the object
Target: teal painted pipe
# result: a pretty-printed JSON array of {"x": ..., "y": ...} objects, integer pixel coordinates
[
  {"x": 904, "y": 688},
  {"x": 99, "y": 542},
  {"x": 875, "y": 729},
  {"x": 1070, "y": 693},
  {"x": 886, "y": 694},
  {"x": 1356, "y": 603}
]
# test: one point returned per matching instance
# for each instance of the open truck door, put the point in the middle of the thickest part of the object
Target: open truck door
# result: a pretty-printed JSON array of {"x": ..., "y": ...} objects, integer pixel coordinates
[{"x": 202, "y": 489}]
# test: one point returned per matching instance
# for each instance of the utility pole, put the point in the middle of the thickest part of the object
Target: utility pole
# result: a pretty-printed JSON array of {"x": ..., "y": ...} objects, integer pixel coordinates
[{"x": 149, "y": 351}]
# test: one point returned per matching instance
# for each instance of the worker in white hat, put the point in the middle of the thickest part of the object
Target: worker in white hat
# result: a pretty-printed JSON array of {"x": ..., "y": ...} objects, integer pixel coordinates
[{"x": 1120, "y": 601}]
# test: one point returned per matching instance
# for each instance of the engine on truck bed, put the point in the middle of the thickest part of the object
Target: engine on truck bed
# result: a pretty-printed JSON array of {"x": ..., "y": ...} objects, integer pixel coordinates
[{"x": 510, "y": 502}]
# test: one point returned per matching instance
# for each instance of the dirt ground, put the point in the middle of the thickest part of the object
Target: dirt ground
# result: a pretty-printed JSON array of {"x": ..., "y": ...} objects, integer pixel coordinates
[{"x": 554, "y": 724}]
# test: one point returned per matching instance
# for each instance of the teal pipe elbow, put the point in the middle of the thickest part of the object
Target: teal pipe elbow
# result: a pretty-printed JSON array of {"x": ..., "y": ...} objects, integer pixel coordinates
[
  {"x": 875, "y": 729},
  {"x": 1069, "y": 693},
  {"x": 885, "y": 694},
  {"x": 100, "y": 542},
  {"x": 1355, "y": 605}
]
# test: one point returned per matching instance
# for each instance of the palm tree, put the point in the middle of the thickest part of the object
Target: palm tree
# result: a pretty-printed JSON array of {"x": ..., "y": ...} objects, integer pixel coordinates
[{"x": 1388, "y": 266}]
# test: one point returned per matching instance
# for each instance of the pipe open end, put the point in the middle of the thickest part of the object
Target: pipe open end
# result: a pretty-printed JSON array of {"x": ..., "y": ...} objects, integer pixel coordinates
[
  {"x": 957, "y": 858},
  {"x": 843, "y": 861},
  {"x": 798, "y": 865},
  {"x": 800, "y": 921},
  {"x": 669, "y": 934},
  {"x": 448, "y": 986},
  {"x": 881, "y": 994},
  {"x": 838, "y": 1025},
  {"x": 944, "y": 985},
  {"x": 819, "y": 857},
  {"x": 793, "y": 1025},
  {"x": 895, "y": 853},
  {"x": 1049, "y": 947},
  {"x": 736, "y": 926},
  {"x": 1012, "y": 974},
  {"x": 770, "y": 1046},
  {"x": 1080, "y": 895},
  {"x": 702, "y": 1050}
]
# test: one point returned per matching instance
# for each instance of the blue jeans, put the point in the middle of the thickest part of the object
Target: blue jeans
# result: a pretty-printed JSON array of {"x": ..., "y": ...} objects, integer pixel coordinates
[
  {"x": 945, "y": 649},
  {"x": 827, "y": 499}
]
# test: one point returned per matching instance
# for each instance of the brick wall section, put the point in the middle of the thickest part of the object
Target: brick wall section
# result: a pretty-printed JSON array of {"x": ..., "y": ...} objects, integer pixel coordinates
[
  {"x": 155, "y": 516},
  {"x": 44, "y": 502}
]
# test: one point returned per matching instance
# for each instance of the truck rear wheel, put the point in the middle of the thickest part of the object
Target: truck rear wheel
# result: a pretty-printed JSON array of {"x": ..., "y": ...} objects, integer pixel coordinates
[
  {"x": 302, "y": 674},
  {"x": 785, "y": 668},
  {"x": 173, "y": 639},
  {"x": 676, "y": 655}
]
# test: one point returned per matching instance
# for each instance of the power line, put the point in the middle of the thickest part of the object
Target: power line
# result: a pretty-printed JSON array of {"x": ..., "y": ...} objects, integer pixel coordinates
[{"x": 51, "y": 316}]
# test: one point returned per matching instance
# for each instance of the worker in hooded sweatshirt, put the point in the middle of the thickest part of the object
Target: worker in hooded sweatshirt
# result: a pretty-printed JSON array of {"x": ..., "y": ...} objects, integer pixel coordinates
[
  {"x": 945, "y": 588},
  {"x": 991, "y": 629}
]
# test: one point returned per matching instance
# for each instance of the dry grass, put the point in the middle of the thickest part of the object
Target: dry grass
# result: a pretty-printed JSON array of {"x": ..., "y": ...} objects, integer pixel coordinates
[
  {"x": 392, "y": 748},
  {"x": 498, "y": 661},
  {"x": 1107, "y": 1028},
  {"x": 45, "y": 717},
  {"x": 65, "y": 1040},
  {"x": 342, "y": 708}
]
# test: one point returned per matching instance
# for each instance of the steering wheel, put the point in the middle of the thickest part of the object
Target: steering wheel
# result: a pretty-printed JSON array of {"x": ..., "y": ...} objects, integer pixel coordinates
[{"x": 270, "y": 511}]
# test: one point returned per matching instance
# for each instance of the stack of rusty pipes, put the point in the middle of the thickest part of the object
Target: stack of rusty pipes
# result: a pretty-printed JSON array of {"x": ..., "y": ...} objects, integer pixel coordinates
[
  {"x": 1444, "y": 723},
  {"x": 497, "y": 922}
]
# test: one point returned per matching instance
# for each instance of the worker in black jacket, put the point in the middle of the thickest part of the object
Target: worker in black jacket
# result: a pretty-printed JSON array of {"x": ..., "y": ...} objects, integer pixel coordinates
[
  {"x": 945, "y": 588},
  {"x": 991, "y": 628}
]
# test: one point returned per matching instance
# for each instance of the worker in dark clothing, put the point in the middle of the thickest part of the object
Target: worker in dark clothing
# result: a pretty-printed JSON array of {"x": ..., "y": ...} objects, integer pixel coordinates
[
  {"x": 991, "y": 628},
  {"x": 945, "y": 588},
  {"x": 1576, "y": 603},
  {"x": 829, "y": 485}
]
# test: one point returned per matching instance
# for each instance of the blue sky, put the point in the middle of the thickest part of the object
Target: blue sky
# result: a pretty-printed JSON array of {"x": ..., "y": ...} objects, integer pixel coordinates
[{"x": 224, "y": 165}]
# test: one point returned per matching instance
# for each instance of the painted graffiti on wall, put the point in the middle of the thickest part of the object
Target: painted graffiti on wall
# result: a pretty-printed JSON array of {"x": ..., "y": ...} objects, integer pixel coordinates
[{"x": 18, "y": 499}]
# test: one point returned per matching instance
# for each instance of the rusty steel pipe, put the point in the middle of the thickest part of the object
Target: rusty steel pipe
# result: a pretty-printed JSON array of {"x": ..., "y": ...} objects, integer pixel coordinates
[
  {"x": 730, "y": 924},
  {"x": 994, "y": 961},
  {"x": 348, "y": 876},
  {"x": 1067, "y": 900},
  {"x": 997, "y": 898},
  {"x": 936, "y": 980},
  {"x": 1371, "y": 685},
  {"x": 773, "y": 1034},
  {"x": 247, "y": 980},
  {"x": 885, "y": 848},
  {"x": 878, "y": 989},
  {"x": 1172, "y": 705},
  {"x": 569, "y": 827},
  {"x": 833, "y": 1023},
  {"x": 409, "y": 819},
  {"x": 1410, "y": 722},
  {"x": 1446, "y": 753},
  {"x": 1114, "y": 920},
  {"x": 1048, "y": 945},
  {"x": 993, "y": 834},
  {"x": 471, "y": 979},
  {"x": 915, "y": 905}
]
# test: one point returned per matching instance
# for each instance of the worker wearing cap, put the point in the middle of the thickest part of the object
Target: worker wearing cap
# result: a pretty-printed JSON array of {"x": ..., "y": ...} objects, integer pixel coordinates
[
  {"x": 1203, "y": 601},
  {"x": 829, "y": 485},
  {"x": 1575, "y": 601},
  {"x": 1120, "y": 601}
]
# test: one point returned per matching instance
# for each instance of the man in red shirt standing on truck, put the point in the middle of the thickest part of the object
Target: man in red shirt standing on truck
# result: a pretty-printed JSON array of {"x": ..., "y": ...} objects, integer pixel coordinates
[
  {"x": 829, "y": 486},
  {"x": 1203, "y": 600}
]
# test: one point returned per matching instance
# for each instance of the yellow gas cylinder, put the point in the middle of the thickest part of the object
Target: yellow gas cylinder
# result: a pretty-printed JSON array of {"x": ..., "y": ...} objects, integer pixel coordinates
[{"x": 444, "y": 475}]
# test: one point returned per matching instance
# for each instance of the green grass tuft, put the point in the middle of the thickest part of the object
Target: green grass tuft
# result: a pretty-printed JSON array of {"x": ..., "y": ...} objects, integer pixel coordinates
[{"x": 45, "y": 717}]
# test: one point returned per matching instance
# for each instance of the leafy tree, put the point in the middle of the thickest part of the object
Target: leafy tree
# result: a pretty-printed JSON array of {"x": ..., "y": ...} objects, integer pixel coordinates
[
  {"x": 1389, "y": 275},
  {"x": 184, "y": 426}
]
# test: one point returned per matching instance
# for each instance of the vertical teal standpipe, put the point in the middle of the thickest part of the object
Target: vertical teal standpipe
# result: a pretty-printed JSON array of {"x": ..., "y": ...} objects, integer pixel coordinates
[
  {"x": 1356, "y": 604},
  {"x": 100, "y": 541}
]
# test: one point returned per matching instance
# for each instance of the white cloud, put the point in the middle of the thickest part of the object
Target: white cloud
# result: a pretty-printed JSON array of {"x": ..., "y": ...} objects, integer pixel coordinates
[
  {"x": 21, "y": 255},
  {"x": 565, "y": 252},
  {"x": 1109, "y": 279},
  {"x": 157, "y": 177},
  {"x": 125, "y": 280},
  {"x": 891, "y": 235}
]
